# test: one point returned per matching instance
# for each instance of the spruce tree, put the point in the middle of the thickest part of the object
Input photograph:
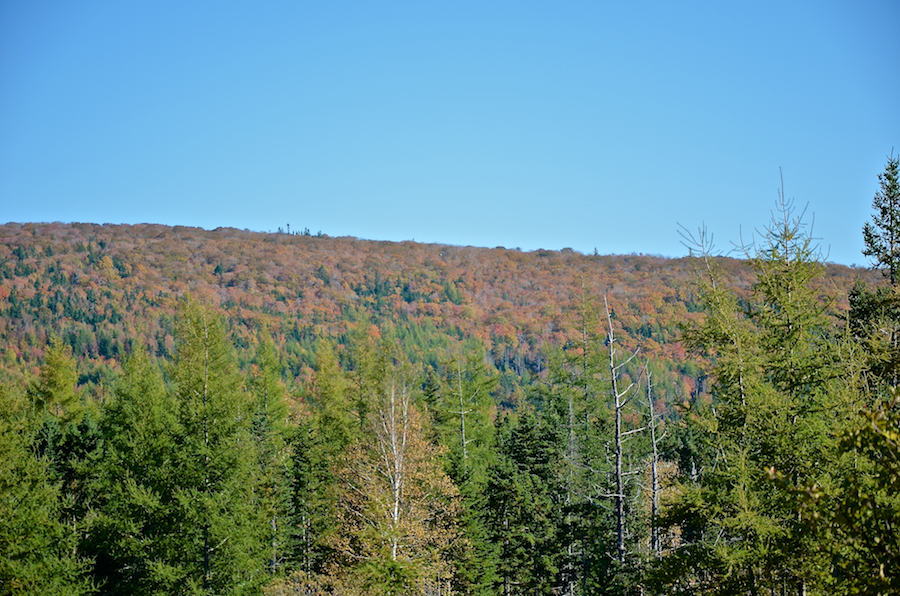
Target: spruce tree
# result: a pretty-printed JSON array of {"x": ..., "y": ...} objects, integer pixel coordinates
[
  {"x": 875, "y": 315},
  {"x": 882, "y": 235},
  {"x": 462, "y": 403},
  {"x": 54, "y": 392},
  {"x": 225, "y": 528},
  {"x": 136, "y": 526},
  {"x": 318, "y": 441},
  {"x": 37, "y": 551},
  {"x": 525, "y": 507},
  {"x": 270, "y": 432}
]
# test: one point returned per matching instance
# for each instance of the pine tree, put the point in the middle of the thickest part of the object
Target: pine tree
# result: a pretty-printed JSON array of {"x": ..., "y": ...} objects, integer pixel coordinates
[
  {"x": 875, "y": 315},
  {"x": 319, "y": 440},
  {"x": 54, "y": 392},
  {"x": 462, "y": 403},
  {"x": 270, "y": 432},
  {"x": 575, "y": 397},
  {"x": 462, "y": 409},
  {"x": 68, "y": 437},
  {"x": 525, "y": 507}
]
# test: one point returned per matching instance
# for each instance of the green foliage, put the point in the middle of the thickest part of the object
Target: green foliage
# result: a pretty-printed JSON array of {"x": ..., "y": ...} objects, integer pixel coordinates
[
  {"x": 397, "y": 509},
  {"x": 37, "y": 550},
  {"x": 524, "y": 507},
  {"x": 462, "y": 404},
  {"x": 317, "y": 442},
  {"x": 882, "y": 235},
  {"x": 874, "y": 323},
  {"x": 270, "y": 432},
  {"x": 218, "y": 497},
  {"x": 773, "y": 383},
  {"x": 865, "y": 516},
  {"x": 136, "y": 528},
  {"x": 54, "y": 392}
]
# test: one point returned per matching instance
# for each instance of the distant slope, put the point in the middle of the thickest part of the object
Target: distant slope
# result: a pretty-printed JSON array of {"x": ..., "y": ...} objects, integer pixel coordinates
[{"x": 102, "y": 286}]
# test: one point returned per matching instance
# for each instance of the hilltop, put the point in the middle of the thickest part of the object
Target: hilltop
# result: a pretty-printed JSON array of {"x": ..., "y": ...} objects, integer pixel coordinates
[{"x": 102, "y": 287}]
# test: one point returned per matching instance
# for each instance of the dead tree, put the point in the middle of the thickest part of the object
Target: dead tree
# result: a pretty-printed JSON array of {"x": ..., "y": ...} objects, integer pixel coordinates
[
  {"x": 655, "y": 547},
  {"x": 620, "y": 399}
]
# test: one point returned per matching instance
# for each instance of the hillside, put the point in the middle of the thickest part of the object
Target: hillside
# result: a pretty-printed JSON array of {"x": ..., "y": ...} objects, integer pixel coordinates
[
  {"x": 101, "y": 286},
  {"x": 336, "y": 416}
]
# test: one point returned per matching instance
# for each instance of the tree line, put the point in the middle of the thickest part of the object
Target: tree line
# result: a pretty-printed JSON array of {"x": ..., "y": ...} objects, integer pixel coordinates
[{"x": 207, "y": 471}]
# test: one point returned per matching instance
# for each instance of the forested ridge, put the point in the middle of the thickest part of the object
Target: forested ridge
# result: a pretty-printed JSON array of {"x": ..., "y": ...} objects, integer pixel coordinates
[
  {"x": 228, "y": 412},
  {"x": 103, "y": 288}
]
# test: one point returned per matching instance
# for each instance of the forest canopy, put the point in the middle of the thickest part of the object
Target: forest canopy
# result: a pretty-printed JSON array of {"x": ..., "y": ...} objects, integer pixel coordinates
[{"x": 225, "y": 412}]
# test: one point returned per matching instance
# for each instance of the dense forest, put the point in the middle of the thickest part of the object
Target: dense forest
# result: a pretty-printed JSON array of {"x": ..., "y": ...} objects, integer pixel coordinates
[{"x": 228, "y": 412}]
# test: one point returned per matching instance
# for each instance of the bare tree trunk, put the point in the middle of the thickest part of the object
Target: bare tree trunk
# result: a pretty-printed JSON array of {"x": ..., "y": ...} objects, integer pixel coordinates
[
  {"x": 619, "y": 404},
  {"x": 654, "y": 495},
  {"x": 392, "y": 431},
  {"x": 462, "y": 414}
]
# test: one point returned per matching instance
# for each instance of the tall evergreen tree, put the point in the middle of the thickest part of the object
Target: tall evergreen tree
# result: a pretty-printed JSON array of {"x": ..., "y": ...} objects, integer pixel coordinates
[
  {"x": 54, "y": 392},
  {"x": 37, "y": 551},
  {"x": 462, "y": 403},
  {"x": 574, "y": 399},
  {"x": 462, "y": 411},
  {"x": 270, "y": 432},
  {"x": 136, "y": 526},
  {"x": 525, "y": 507},
  {"x": 68, "y": 437},
  {"x": 776, "y": 407},
  {"x": 225, "y": 528},
  {"x": 875, "y": 315},
  {"x": 319, "y": 440},
  {"x": 882, "y": 235}
]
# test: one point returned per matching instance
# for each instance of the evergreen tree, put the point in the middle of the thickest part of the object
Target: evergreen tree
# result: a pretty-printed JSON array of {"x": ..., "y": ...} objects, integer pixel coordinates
[
  {"x": 862, "y": 514},
  {"x": 462, "y": 403},
  {"x": 54, "y": 392},
  {"x": 525, "y": 510},
  {"x": 270, "y": 432},
  {"x": 882, "y": 235},
  {"x": 875, "y": 315},
  {"x": 68, "y": 437},
  {"x": 136, "y": 527},
  {"x": 225, "y": 527},
  {"x": 462, "y": 409},
  {"x": 37, "y": 551},
  {"x": 777, "y": 407},
  {"x": 574, "y": 398},
  {"x": 319, "y": 441}
]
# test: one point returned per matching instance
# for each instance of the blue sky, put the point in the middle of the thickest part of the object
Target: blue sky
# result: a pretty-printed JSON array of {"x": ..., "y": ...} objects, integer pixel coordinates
[{"x": 534, "y": 125}]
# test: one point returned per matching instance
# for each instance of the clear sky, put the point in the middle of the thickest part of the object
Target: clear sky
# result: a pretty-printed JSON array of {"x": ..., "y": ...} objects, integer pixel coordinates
[{"x": 534, "y": 125}]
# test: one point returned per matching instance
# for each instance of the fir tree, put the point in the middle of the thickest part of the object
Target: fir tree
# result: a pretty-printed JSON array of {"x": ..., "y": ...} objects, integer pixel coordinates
[{"x": 270, "y": 432}]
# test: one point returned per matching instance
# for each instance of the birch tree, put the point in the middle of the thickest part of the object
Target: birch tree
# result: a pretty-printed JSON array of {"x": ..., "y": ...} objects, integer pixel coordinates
[{"x": 397, "y": 506}]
